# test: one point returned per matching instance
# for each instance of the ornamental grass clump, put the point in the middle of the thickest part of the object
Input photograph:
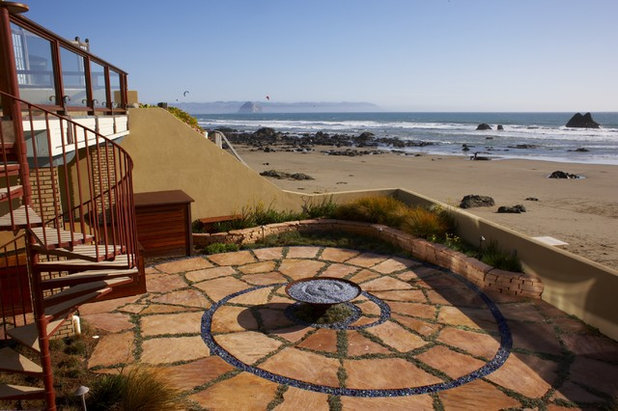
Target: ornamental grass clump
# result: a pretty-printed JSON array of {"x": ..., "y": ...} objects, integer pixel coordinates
[
  {"x": 140, "y": 388},
  {"x": 376, "y": 210}
]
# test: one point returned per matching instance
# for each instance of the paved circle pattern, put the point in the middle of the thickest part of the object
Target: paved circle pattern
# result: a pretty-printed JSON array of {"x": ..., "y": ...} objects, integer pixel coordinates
[{"x": 353, "y": 323}]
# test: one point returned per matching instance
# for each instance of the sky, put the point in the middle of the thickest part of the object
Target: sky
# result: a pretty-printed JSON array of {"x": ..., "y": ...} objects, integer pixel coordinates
[{"x": 403, "y": 55}]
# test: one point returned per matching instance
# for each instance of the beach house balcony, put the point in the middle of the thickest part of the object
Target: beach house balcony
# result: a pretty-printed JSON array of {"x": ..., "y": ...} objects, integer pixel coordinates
[{"x": 67, "y": 216}]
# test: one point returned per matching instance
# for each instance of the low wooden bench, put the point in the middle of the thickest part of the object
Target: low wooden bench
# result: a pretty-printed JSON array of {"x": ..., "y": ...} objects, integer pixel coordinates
[{"x": 209, "y": 222}]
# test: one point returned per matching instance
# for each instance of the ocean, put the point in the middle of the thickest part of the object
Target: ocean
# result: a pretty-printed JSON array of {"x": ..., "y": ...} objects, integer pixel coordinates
[{"x": 540, "y": 136}]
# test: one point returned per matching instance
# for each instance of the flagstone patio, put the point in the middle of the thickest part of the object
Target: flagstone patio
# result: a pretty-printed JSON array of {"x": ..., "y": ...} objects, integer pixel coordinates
[{"x": 226, "y": 334}]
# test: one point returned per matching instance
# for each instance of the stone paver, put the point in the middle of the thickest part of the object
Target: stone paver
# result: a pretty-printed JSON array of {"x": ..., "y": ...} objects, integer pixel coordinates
[
  {"x": 210, "y": 273},
  {"x": 186, "y": 264},
  {"x": 337, "y": 254},
  {"x": 304, "y": 366},
  {"x": 248, "y": 346},
  {"x": 113, "y": 349},
  {"x": 303, "y": 252},
  {"x": 181, "y": 323},
  {"x": 161, "y": 283},
  {"x": 438, "y": 330},
  {"x": 293, "y": 398},
  {"x": 173, "y": 349},
  {"x": 386, "y": 373},
  {"x": 323, "y": 340},
  {"x": 243, "y": 392},
  {"x": 236, "y": 258},
  {"x": 416, "y": 402},
  {"x": 189, "y": 298},
  {"x": 112, "y": 322},
  {"x": 261, "y": 267}
]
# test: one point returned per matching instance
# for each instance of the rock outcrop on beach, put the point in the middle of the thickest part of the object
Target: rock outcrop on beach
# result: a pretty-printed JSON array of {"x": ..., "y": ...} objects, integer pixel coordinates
[
  {"x": 475, "y": 200},
  {"x": 483, "y": 126},
  {"x": 516, "y": 209},
  {"x": 250, "y": 107},
  {"x": 582, "y": 121},
  {"x": 270, "y": 140},
  {"x": 563, "y": 174},
  {"x": 500, "y": 127},
  {"x": 283, "y": 175}
]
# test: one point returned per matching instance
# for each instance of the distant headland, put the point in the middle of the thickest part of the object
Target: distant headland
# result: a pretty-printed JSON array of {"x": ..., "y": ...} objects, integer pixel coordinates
[{"x": 228, "y": 107}]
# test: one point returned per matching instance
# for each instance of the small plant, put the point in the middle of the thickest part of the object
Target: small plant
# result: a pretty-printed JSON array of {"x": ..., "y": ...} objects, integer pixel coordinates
[
  {"x": 186, "y": 118},
  {"x": 216, "y": 248},
  {"x": 494, "y": 256}
]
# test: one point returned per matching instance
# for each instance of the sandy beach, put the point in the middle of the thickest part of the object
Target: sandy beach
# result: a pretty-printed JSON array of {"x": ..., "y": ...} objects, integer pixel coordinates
[{"x": 582, "y": 213}]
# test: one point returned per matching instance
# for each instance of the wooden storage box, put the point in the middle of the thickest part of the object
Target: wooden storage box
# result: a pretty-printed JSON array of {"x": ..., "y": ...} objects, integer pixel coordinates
[{"x": 164, "y": 223}]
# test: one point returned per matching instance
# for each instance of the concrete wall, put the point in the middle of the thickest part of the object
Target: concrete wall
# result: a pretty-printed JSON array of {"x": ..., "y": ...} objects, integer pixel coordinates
[{"x": 168, "y": 155}]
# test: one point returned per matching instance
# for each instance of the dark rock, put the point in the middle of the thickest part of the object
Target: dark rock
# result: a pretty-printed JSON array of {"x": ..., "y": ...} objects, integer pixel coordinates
[
  {"x": 524, "y": 146},
  {"x": 516, "y": 209},
  {"x": 475, "y": 200},
  {"x": 483, "y": 126},
  {"x": 532, "y": 199},
  {"x": 580, "y": 150},
  {"x": 500, "y": 127},
  {"x": 563, "y": 174},
  {"x": 265, "y": 132},
  {"x": 465, "y": 147},
  {"x": 582, "y": 121},
  {"x": 476, "y": 157},
  {"x": 283, "y": 175},
  {"x": 250, "y": 107}
]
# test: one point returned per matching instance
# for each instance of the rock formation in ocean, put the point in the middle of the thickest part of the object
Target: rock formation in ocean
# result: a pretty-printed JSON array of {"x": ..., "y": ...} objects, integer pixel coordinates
[
  {"x": 500, "y": 127},
  {"x": 250, "y": 107},
  {"x": 582, "y": 121},
  {"x": 475, "y": 200},
  {"x": 483, "y": 126}
]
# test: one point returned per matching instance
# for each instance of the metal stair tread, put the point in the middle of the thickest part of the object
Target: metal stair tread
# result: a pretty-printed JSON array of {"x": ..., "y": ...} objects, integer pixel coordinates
[
  {"x": 120, "y": 262},
  {"x": 92, "y": 253},
  {"x": 28, "y": 335},
  {"x": 12, "y": 361},
  {"x": 57, "y": 310},
  {"x": 51, "y": 237},
  {"x": 19, "y": 216},
  {"x": 12, "y": 391},
  {"x": 86, "y": 276},
  {"x": 87, "y": 286}
]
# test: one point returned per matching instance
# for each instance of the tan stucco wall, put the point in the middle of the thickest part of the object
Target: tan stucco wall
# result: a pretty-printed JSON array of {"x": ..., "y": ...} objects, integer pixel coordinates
[
  {"x": 574, "y": 284},
  {"x": 168, "y": 155}
]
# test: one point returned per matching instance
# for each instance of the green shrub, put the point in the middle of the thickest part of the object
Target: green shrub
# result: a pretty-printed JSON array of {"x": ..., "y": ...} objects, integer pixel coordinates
[{"x": 185, "y": 117}]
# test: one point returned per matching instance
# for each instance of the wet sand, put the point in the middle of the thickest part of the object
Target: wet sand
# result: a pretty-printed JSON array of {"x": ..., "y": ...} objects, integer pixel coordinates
[{"x": 582, "y": 213}]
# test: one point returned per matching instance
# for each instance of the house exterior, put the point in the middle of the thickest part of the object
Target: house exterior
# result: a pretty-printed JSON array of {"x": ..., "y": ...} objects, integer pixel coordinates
[{"x": 67, "y": 217}]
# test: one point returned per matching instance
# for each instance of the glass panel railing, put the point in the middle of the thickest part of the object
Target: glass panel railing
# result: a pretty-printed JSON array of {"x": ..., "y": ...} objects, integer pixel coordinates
[
  {"x": 35, "y": 68},
  {"x": 73, "y": 78},
  {"x": 97, "y": 74},
  {"x": 114, "y": 84}
]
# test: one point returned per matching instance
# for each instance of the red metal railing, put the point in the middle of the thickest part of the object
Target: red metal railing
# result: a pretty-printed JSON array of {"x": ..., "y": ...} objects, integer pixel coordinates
[{"x": 81, "y": 188}]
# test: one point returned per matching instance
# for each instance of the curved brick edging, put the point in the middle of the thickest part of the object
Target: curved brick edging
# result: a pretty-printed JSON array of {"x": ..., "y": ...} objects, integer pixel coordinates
[{"x": 479, "y": 273}]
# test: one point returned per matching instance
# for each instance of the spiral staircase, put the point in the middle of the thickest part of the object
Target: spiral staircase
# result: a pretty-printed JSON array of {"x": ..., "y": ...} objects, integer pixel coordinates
[{"x": 70, "y": 223}]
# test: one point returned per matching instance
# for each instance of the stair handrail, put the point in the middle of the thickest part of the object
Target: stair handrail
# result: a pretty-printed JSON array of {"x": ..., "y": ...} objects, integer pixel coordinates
[{"x": 115, "y": 183}]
